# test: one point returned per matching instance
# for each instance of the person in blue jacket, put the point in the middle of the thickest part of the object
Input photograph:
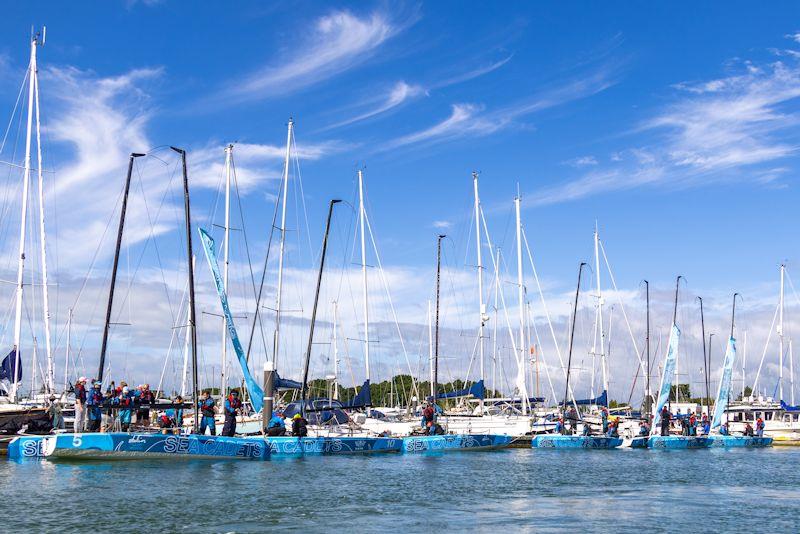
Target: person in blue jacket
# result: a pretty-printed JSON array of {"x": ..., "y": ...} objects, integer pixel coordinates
[
  {"x": 233, "y": 406},
  {"x": 276, "y": 425},
  {"x": 94, "y": 401},
  {"x": 604, "y": 418},
  {"x": 125, "y": 401},
  {"x": 206, "y": 405}
]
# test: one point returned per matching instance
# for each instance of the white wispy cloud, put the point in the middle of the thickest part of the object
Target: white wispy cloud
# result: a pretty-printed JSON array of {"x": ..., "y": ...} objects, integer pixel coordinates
[
  {"x": 444, "y": 225},
  {"x": 471, "y": 74},
  {"x": 397, "y": 95},
  {"x": 334, "y": 44},
  {"x": 582, "y": 161}
]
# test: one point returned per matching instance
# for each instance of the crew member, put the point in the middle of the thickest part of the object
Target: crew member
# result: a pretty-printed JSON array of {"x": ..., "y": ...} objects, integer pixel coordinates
[
  {"x": 206, "y": 405},
  {"x": 723, "y": 429},
  {"x": 665, "y": 418},
  {"x": 233, "y": 406},
  {"x": 748, "y": 430},
  {"x": 760, "y": 428},
  {"x": 644, "y": 428},
  {"x": 276, "y": 426},
  {"x": 299, "y": 426},
  {"x": 80, "y": 405},
  {"x": 604, "y": 417},
  {"x": 54, "y": 410},
  {"x": 94, "y": 401},
  {"x": 176, "y": 415},
  {"x": 429, "y": 418},
  {"x": 145, "y": 397}
]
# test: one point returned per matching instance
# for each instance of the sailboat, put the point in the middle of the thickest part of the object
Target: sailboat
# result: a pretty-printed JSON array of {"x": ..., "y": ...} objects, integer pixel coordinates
[
  {"x": 449, "y": 442},
  {"x": 718, "y": 439},
  {"x": 561, "y": 441}
]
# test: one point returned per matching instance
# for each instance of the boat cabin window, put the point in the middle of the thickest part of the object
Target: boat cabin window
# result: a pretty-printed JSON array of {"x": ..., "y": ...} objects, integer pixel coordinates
[{"x": 767, "y": 416}]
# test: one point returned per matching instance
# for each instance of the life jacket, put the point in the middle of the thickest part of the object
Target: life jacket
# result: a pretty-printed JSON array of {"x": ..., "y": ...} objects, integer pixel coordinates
[
  {"x": 207, "y": 407},
  {"x": 165, "y": 420},
  {"x": 234, "y": 403},
  {"x": 80, "y": 393}
]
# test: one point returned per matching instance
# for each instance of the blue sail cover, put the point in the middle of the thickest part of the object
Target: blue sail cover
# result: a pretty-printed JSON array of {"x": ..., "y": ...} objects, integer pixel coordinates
[
  {"x": 9, "y": 370},
  {"x": 286, "y": 383},
  {"x": 256, "y": 393},
  {"x": 724, "y": 391},
  {"x": 786, "y": 408},
  {"x": 668, "y": 374},
  {"x": 363, "y": 399},
  {"x": 601, "y": 400},
  {"x": 477, "y": 390}
]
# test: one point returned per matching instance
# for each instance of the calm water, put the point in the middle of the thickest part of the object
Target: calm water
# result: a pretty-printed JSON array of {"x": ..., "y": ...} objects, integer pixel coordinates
[{"x": 518, "y": 489}]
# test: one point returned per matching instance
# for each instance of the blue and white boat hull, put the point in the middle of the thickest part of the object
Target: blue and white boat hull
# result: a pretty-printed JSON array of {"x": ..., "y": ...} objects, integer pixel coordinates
[
  {"x": 27, "y": 447},
  {"x": 679, "y": 442},
  {"x": 558, "y": 441},
  {"x": 455, "y": 442},
  {"x": 291, "y": 447},
  {"x": 740, "y": 442}
]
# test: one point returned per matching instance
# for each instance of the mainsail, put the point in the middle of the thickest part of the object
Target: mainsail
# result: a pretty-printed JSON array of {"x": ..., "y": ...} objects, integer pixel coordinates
[
  {"x": 724, "y": 391},
  {"x": 668, "y": 374},
  {"x": 255, "y": 391}
]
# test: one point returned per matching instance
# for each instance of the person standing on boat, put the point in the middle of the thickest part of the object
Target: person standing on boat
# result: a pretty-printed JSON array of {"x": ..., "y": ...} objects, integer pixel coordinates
[
  {"x": 706, "y": 425},
  {"x": 80, "y": 405},
  {"x": 604, "y": 418},
  {"x": 587, "y": 431},
  {"x": 276, "y": 426},
  {"x": 145, "y": 397},
  {"x": 125, "y": 408},
  {"x": 723, "y": 429},
  {"x": 54, "y": 411},
  {"x": 429, "y": 418},
  {"x": 176, "y": 415},
  {"x": 233, "y": 406},
  {"x": 206, "y": 405},
  {"x": 692, "y": 424},
  {"x": 760, "y": 428},
  {"x": 299, "y": 426},
  {"x": 644, "y": 428},
  {"x": 94, "y": 401},
  {"x": 665, "y": 418},
  {"x": 748, "y": 430}
]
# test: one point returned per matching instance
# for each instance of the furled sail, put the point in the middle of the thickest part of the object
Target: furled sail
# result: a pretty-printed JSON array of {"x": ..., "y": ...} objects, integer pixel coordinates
[
  {"x": 724, "y": 391},
  {"x": 668, "y": 374},
  {"x": 255, "y": 391}
]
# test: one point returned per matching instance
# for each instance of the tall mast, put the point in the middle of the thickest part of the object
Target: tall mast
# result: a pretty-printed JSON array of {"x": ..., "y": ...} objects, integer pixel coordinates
[
  {"x": 226, "y": 254},
  {"x": 649, "y": 397},
  {"x": 706, "y": 354},
  {"x": 304, "y": 391},
  {"x": 780, "y": 336},
  {"x": 114, "y": 268},
  {"x": 521, "y": 297},
  {"x": 435, "y": 385},
  {"x": 361, "y": 218},
  {"x": 481, "y": 305},
  {"x": 276, "y": 337},
  {"x": 50, "y": 379},
  {"x": 572, "y": 336},
  {"x": 496, "y": 318},
  {"x": 335, "y": 351},
  {"x": 791, "y": 372},
  {"x": 26, "y": 178},
  {"x": 603, "y": 363},
  {"x": 69, "y": 348},
  {"x": 190, "y": 263}
]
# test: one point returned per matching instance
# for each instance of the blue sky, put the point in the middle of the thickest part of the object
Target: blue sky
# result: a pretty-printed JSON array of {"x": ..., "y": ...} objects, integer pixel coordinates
[{"x": 674, "y": 126}]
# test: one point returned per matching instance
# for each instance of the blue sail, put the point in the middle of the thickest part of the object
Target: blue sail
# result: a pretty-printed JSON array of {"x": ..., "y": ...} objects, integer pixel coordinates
[
  {"x": 724, "y": 391},
  {"x": 668, "y": 374},
  {"x": 477, "y": 390},
  {"x": 256, "y": 393},
  {"x": 363, "y": 399},
  {"x": 600, "y": 400}
]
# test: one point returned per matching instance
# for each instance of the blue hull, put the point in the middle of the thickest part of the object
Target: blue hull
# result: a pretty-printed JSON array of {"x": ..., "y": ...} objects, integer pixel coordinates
[
  {"x": 124, "y": 446},
  {"x": 679, "y": 442},
  {"x": 292, "y": 447},
  {"x": 455, "y": 442},
  {"x": 557, "y": 441},
  {"x": 740, "y": 441},
  {"x": 639, "y": 442}
]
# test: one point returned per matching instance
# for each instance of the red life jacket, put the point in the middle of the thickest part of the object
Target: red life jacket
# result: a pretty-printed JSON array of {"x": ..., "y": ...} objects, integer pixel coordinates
[{"x": 234, "y": 402}]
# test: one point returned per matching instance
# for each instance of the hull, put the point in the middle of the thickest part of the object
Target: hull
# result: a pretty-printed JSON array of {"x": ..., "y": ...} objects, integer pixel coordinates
[
  {"x": 454, "y": 442},
  {"x": 26, "y": 447},
  {"x": 679, "y": 442},
  {"x": 557, "y": 441},
  {"x": 639, "y": 442},
  {"x": 124, "y": 446},
  {"x": 740, "y": 442},
  {"x": 292, "y": 447}
]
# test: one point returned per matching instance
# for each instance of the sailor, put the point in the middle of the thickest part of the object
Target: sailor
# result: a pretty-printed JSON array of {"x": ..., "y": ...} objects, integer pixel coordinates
[
  {"x": 760, "y": 428},
  {"x": 125, "y": 408},
  {"x": 206, "y": 405},
  {"x": 299, "y": 426},
  {"x": 604, "y": 417},
  {"x": 176, "y": 415},
  {"x": 80, "y": 405},
  {"x": 586, "y": 430},
  {"x": 54, "y": 411},
  {"x": 665, "y": 418},
  {"x": 233, "y": 406},
  {"x": 644, "y": 428},
  {"x": 560, "y": 426},
  {"x": 276, "y": 426},
  {"x": 692, "y": 424},
  {"x": 748, "y": 430},
  {"x": 612, "y": 429},
  {"x": 723, "y": 429},
  {"x": 429, "y": 418},
  {"x": 706, "y": 425},
  {"x": 94, "y": 400}
]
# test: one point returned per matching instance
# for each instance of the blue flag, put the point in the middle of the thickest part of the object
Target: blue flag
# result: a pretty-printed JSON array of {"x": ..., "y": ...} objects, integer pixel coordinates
[
  {"x": 256, "y": 393},
  {"x": 724, "y": 391}
]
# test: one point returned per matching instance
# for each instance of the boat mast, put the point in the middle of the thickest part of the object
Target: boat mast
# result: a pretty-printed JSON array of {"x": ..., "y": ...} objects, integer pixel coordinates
[
  {"x": 335, "y": 352},
  {"x": 26, "y": 178},
  {"x": 780, "y": 336},
  {"x": 706, "y": 354},
  {"x": 521, "y": 297},
  {"x": 599, "y": 295},
  {"x": 430, "y": 344},
  {"x": 791, "y": 372},
  {"x": 226, "y": 254},
  {"x": 304, "y": 391},
  {"x": 496, "y": 319},
  {"x": 362, "y": 217},
  {"x": 114, "y": 268},
  {"x": 572, "y": 337},
  {"x": 435, "y": 385},
  {"x": 69, "y": 347},
  {"x": 50, "y": 378},
  {"x": 190, "y": 263},
  {"x": 649, "y": 398},
  {"x": 481, "y": 305},
  {"x": 276, "y": 336}
]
